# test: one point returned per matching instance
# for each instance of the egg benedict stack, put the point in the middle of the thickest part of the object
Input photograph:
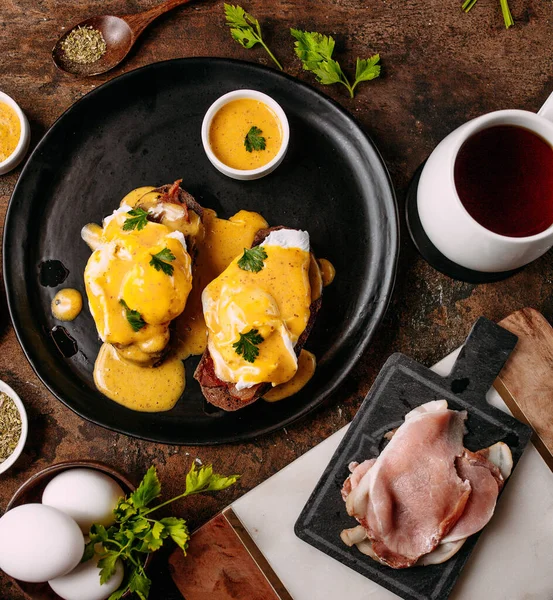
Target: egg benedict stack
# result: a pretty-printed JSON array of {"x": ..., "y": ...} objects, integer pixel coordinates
[
  {"x": 137, "y": 280},
  {"x": 258, "y": 314}
]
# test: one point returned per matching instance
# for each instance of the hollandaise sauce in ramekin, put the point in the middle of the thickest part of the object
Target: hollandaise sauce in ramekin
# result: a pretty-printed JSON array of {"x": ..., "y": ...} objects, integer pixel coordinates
[
  {"x": 10, "y": 131},
  {"x": 245, "y": 134}
]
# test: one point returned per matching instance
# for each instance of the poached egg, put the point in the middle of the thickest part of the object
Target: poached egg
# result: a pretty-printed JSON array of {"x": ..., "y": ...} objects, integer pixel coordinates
[
  {"x": 121, "y": 277},
  {"x": 273, "y": 301}
]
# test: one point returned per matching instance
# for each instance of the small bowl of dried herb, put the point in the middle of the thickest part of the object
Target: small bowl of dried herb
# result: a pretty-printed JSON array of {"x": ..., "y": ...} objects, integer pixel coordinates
[{"x": 13, "y": 426}]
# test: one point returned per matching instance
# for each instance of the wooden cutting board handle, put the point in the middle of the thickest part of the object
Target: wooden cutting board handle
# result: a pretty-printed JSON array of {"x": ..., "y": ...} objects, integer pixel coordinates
[{"x": 526, "y": 381}]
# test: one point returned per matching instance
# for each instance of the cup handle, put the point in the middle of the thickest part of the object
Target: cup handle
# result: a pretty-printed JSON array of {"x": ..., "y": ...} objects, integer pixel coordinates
[{"x": 547, "y": 109}]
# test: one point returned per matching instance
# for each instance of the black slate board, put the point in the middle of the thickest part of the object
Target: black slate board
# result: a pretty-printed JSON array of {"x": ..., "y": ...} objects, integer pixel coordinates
[{"x": 402, "y": 385}]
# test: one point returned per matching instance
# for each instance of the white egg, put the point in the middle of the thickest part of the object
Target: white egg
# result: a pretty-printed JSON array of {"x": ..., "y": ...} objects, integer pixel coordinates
[
  {"x": 86, "y": 495},
  {"x": 83, "y": 583},
  {"x": 39, "y": 543}
]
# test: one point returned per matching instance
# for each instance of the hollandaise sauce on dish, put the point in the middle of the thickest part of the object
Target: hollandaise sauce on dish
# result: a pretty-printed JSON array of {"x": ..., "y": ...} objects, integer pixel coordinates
[
  {"x": 141, "y": 279},
  {"x": 256, "y": 310},
  {"x": 245, "y": 134},
  {"x": 10, "y": 131},
  {"x": 138, "y": 387},
  {"x": 137, "y": 279},
  {"x": 67, "y": 304},
  {"x": 224, "y": 240},
  {"x": 307, "y": 364}
]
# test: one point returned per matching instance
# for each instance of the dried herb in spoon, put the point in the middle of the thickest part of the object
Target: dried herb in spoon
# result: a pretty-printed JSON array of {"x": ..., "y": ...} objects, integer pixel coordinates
[
  {"x": 10, "y": 426},
  {"x": 84, "y": 45}
]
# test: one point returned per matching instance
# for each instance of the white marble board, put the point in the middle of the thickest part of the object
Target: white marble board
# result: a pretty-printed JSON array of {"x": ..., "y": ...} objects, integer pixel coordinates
[{"x": 513, "y": 559}]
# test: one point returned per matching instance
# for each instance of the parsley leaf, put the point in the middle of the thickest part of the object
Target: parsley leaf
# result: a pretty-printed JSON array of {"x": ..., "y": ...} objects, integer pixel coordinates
[
  {"x": 254, "y": 140},
  {"x": 178, "y": 531},
  {"x": 139, "y": 584},
  {"x": 246, "y": 346},
  {"x": 245, "y": 29},
  {"x": 133, "y": 317},
  {"x": 161, "y": 260},
  {"x": 88, "y": 551},
  {"x": 505, "y": 10},
  {"x": 107, "y": 565},
  {"x": 315, "y": 51},
  {"x": 148, "y": 490},
  {"x": 138, "y": 219},
  {"x": 252, "y": 259}
]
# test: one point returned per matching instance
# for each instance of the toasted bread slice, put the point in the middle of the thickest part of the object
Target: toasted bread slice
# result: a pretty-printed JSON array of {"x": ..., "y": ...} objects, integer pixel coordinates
[{"x": 224, "y": 394}]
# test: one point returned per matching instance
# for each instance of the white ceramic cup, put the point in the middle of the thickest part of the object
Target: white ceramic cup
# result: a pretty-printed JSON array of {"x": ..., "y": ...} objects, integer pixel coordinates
[{"x": 447, "y": 223}]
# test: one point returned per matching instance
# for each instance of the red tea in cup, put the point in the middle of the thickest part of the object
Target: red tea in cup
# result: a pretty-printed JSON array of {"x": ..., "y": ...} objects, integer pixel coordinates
[{"x": 504, "y": 178}]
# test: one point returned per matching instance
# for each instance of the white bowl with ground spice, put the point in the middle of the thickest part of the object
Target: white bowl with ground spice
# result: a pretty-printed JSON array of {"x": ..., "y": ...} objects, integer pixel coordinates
[
  {"x": 13, "y": 427},
  {"x": 15, "y": 134},
  {"x": 245, "y": 134}
]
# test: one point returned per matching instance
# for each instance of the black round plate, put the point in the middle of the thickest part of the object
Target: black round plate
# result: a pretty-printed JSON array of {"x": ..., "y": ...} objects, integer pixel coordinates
[{"x": 143, "y": 128}]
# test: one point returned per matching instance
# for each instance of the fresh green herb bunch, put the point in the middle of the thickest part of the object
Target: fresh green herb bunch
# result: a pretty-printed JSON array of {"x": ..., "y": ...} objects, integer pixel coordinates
[
  {"x": 135, "y": 534},
  {"x": 245, "y": 29},
  {"x": 315, "y": 51},
  {"x": 505, "y": 10}
]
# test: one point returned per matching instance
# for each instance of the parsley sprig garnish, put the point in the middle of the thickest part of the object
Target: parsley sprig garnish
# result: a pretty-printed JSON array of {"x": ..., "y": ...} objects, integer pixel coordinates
[
  {"x": 254, "y": 140},
  {"x": 138, "y": 219},
  {"x": 315, "y": 51},
  {"x": 505, "y": 10},
  {"x": 133, "y": 317},
  {"x": 161, "y": 260},
  {"x": 246, "y": 346},
  {"x": 245, "y": 29},
  {"x": 135, "y": 534},
  {"x": 252, "y": 259}
]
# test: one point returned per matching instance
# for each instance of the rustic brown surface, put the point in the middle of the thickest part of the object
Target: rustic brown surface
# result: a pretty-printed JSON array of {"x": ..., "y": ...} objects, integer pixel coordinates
[{"x": 440, "y": 68}]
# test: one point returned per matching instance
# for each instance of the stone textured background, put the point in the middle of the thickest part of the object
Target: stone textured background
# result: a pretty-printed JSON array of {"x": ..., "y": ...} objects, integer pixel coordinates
[{"x": 440, "y": 68}]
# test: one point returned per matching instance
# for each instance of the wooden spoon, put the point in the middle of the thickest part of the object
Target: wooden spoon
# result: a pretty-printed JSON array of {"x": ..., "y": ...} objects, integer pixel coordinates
[{"x": 120, "y": 34}]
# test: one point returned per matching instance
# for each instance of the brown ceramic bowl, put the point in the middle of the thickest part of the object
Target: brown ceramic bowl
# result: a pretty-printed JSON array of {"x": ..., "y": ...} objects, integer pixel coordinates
[{"x": 31, "y": 491}]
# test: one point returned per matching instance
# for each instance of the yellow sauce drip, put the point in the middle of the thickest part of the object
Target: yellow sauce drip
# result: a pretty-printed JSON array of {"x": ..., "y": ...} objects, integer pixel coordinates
[
  {"x": 153, "y": 389},
  {"x": 224, "y": 240},
  {"x": 306, "y": 368},
  {"x": 315, "y": 279},
  {"x": 10, "y": 131},
  {"x": 231, "y": 124},
  {"x": 274, "y": 301},
  {"x": 328, "y": 272},
  {"x": 134, "y": 196},
  {"x": 67, "y": 304}
]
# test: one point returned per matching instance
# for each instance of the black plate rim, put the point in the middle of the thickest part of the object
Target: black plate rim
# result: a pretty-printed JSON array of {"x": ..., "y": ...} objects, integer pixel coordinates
[{"x": 373, "y": 319}]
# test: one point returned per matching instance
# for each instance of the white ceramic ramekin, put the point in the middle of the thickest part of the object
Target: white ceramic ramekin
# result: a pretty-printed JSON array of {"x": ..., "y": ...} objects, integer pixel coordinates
[
  {"x": 23, "y": 145},
  {"x": 6, "y": 389},
  {"x": 245, "y": 174}
]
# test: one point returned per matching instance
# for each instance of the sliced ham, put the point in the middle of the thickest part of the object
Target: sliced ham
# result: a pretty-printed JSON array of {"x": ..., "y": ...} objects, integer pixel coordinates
[
  {"x": 392, "y": 499},
  {"x": 425, "y": 494},
  {"x": 486, "y": 482},
  {"x": 357, "y": 473}
]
